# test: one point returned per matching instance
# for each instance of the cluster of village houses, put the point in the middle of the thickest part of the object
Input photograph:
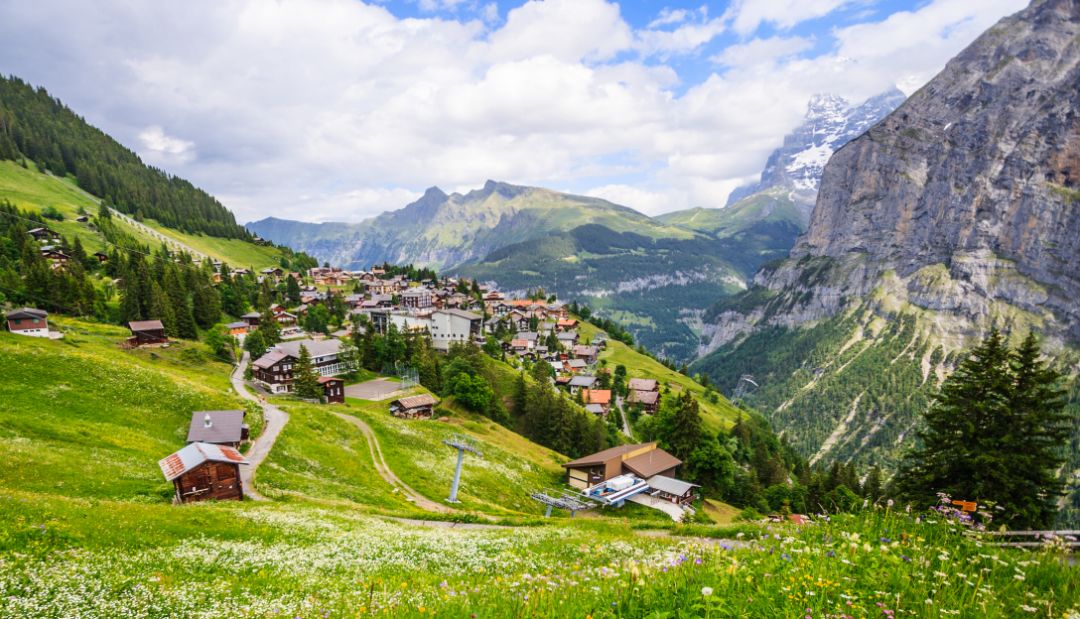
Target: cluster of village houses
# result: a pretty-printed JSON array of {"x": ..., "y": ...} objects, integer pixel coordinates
[{"x": 208, "y": 466}]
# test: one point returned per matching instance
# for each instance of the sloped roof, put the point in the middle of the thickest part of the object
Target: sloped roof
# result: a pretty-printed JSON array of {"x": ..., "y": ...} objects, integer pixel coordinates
[
  {"x": 596, "y": 396},
  {"x": 670, "y": 485},
  {"x": 582, "y": 381},
  {"x": 416, "y": 401},
  {"x": 145, "y": 325},
  {"x": 601, "y": 457},
  {"x": 330, "y": 379},
  {"x": 225, "y": 427},
  {"x": 27, "y": 312},
  {"x": 195, "y": 454},
  {"x": 595, "y": 409},
  {"x": 315, "y": 348},
  {"x": 644, "y": 397},
  {"x": 269, "y": 359},
  {"x": 642, "y": 384},
  {"x": 648, "y": 464}
]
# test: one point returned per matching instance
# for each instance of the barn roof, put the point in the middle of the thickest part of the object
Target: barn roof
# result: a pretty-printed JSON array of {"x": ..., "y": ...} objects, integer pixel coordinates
[
  {"x": 416, "y": 401},
  {"x": 642, "y": 384},
  {"x": 225, "y": 427},
  {"x": 195, "y": 455},
  {"x": 644, "y": 397},
  {"x": 146, "y": 325},
  {"x": 330, "y": 379}
]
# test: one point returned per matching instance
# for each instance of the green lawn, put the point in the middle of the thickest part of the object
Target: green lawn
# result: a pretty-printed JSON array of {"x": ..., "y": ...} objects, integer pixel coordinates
[{"x": 235, "y": 252}]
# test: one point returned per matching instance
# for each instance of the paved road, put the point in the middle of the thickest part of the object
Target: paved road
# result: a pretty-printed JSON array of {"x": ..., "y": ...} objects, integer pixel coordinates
[
  {"x": 274, "y": 418},
  {"x": 674, "y": 511},
  {"x": 374, "y": 390},
  {"x": 384, "y": 471}
]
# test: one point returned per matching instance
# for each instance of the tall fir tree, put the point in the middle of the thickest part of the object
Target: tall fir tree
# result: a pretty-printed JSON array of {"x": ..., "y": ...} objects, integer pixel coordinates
[
  {"x": 305, "y": 378},
  {"x": 992, "y": 434}
]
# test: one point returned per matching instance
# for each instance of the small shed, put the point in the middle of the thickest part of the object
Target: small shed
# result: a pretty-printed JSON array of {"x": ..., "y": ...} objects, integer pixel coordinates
[
  {"x": 145, "y": 332},
  {"x": 673, "y": 490},
  {"x": 203, "y": 471},
  {"x": 218, "y": 427},
  {"x": 333, "y": 389},
  {"x": 414, "y": 407}
]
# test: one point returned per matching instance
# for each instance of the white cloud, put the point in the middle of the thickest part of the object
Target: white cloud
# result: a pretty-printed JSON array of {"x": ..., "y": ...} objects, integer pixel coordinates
[
  {"x": 643, "y": 200},
  {"x": 669, "y": 16},
  {"x": 338, "y": 109},
  {"x": 747, "y": 15},
  {"x": 762, "y": 51},
  {"x": 165, "y": 148}
]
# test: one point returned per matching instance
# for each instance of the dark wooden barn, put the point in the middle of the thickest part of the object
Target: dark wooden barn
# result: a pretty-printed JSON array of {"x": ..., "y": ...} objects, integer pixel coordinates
[
  {"x": 203, "y": 472},
  {"x": 144, "y": 332}
]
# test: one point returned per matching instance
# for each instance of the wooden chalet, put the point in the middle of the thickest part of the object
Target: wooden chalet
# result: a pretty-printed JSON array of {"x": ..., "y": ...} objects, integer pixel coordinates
[
  {"x": 648, "y": 400},
  {"x": 333, "y": 389},
  {"x": 644, "y": 461},
  {"x": 251, "y": 318},
  {"x": 204, "y": 471},
  {"x": 218, "y": 428},
  {"x": 414, "y": 407},
  {"x": 29, "y": 321},
  {"x": 146, "y": 332},
  {"x": 237, "y": 328},
  {"x": 274, "y": 370},
  {"x": 588, "y": 354},
  {"x": 102, "y": 256},
  {"x": 43, "y": 234}
]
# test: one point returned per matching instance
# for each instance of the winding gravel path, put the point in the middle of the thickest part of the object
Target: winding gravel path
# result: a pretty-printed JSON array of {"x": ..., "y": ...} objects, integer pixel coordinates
[
  {"x": 384, "y": 471},
  {"x": 275, "y": 419}
]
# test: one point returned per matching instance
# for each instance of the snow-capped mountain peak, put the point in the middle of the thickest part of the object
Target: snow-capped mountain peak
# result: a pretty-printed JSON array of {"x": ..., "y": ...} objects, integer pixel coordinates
[{"x": 830, "y": 122}]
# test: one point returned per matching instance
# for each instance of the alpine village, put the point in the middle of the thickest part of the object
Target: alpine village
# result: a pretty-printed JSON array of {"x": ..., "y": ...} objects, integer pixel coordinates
[{"x": 852, "y": 391}]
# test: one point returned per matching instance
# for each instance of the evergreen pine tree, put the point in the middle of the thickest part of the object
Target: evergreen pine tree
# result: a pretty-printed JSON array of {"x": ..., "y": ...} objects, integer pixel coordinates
[
  {"x": 305, "y": 379},
  {"x": 992, "y": 434}
]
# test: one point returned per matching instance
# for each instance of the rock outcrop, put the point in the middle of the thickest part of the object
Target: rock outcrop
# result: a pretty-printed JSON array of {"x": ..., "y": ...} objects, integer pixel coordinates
[{"x": 964, "y": 202}]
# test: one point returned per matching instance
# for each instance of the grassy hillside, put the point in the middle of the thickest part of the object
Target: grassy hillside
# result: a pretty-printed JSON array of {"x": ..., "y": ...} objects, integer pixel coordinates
[
  {"x": 720, "y": 415},
  {"x": 86, "y": 528},
  {"x": 83, "y": 418},
  {"x": 29, "y": 189}
]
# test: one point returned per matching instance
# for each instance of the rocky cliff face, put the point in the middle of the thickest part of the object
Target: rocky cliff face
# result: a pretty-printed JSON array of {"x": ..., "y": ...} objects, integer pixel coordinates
[
  {"x": 965, "y": 200},
  {"x": 959, "y": 211}
]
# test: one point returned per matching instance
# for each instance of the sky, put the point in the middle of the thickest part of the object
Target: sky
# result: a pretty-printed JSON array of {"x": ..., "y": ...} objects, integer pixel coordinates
[{"x": 336, "y": 110}]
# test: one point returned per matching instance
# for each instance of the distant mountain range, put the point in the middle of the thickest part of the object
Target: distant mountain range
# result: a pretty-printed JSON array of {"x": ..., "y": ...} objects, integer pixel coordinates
[{"x": 656, "y": 275}]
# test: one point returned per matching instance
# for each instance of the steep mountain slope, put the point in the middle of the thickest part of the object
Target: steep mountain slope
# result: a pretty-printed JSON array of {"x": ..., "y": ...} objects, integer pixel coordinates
[
  {"x": 442, "y": 230},
  {"x": 31, "y": 190},
  {"x": 36, "y": 127},
  {"x": 958, "y": 211}
]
